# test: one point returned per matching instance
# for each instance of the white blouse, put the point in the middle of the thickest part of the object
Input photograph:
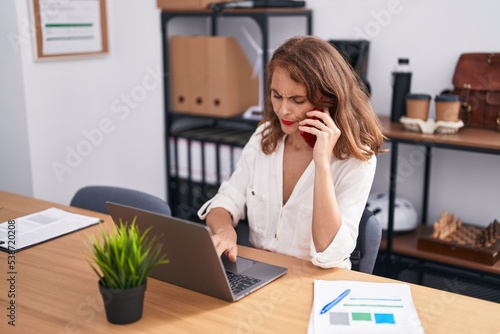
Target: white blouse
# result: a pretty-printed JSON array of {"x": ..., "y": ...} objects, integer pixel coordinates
[{"x": 257, "y": 185}]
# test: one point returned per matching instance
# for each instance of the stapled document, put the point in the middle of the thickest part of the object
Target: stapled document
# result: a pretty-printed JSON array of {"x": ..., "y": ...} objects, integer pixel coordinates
[{"x": 17, "y": 234}]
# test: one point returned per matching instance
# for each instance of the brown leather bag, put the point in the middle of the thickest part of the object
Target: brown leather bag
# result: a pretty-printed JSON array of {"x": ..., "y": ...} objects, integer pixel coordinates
[{"x": 477, "y": 81}]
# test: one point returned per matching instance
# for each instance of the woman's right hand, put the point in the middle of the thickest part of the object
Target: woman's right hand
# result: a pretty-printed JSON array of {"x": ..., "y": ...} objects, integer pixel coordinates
[
  {"x": 223, "y": 234},
  {"x": 225, "y": 243}
]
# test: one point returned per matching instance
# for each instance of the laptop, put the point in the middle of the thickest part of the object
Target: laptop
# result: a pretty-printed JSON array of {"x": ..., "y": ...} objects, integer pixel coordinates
[{"x": 194, "y": 263}]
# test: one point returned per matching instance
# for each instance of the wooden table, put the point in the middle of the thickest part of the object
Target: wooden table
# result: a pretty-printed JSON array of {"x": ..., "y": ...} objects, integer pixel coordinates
[{"x": 56, "y": 292}]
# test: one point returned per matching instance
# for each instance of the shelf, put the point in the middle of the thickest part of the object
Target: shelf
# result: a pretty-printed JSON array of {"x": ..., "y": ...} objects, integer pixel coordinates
[
  {"x": 261, "y": 16},
  {"x": 406, "y": 244},
  {"x": 237, "y": 120},
  {"x": 216, "y": 134},
  {"x": 239, "y": 11},
  {"x": 187, "y": 135},
  {"x": 466, "y": 139}
]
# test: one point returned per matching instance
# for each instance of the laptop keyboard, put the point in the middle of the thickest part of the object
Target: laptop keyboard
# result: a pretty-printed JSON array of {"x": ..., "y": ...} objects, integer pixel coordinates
[{"x": 240, "y": 282}]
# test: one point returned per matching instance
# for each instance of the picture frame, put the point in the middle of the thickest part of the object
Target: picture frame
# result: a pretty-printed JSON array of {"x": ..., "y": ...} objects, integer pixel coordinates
[{"x": 70, "y": 28}]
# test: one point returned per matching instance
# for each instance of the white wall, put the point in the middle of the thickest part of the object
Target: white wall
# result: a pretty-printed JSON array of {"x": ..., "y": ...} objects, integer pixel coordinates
[
  {"x": 65, "y": 99},
  {"x": 432, "y": 34},
  {"x": 96, "y": 120},
  {"x": 15, "y": 162}
]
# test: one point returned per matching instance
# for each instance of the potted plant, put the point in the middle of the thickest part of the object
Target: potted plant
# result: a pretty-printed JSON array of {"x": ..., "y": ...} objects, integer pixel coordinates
[{"x": 123, "y": 261}]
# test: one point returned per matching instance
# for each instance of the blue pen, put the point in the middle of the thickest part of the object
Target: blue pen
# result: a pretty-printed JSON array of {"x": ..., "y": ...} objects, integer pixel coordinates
[{"x": 334, "y": 302}]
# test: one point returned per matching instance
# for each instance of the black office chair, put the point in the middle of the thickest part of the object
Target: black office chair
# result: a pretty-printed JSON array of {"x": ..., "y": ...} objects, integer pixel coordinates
[
  {"x": 95, "y": 198},
  {"x": 364, "y": 256}
]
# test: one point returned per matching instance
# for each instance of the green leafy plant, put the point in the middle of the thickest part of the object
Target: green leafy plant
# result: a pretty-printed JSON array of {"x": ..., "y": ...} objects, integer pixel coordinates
[{"x": 126, "y": 256}]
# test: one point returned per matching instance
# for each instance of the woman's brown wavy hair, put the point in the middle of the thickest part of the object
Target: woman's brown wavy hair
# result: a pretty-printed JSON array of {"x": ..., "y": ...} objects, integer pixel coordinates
[{"x": 330, "y": 82}]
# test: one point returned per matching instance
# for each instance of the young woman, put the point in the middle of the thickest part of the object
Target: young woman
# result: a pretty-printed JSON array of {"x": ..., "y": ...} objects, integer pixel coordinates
[{"x": 302, "y": 200}]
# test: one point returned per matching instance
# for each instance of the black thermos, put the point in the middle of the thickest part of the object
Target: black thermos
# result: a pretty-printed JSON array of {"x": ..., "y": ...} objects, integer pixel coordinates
[{"x": 401, "y": 85}]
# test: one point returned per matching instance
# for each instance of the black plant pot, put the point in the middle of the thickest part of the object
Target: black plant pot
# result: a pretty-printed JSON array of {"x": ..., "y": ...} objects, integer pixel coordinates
[{"x": 123, "y": 306}]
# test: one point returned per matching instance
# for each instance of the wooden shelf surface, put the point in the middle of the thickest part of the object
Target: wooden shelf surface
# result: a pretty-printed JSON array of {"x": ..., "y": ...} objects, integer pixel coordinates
[
  {"x": 476, "y": 138},
  {"x": 406, "y": 244}
]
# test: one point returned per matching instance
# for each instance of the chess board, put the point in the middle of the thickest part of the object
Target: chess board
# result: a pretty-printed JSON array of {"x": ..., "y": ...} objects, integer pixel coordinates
[{"x": 464, "y": 241}]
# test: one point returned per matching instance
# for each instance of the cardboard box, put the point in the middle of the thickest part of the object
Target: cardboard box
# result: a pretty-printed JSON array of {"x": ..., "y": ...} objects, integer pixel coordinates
[
  {"x": 211, "y": 76},
  {"x": 186, "y": 4}
]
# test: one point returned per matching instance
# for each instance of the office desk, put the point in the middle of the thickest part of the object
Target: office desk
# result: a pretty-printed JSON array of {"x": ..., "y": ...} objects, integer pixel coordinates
[{"x": 56, "y": 292}]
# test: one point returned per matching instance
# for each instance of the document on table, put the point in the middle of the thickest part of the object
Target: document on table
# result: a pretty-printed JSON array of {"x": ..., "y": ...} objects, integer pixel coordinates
[
  {"x": 17, "y": 234},
  {"x": 366, "y": 308}
]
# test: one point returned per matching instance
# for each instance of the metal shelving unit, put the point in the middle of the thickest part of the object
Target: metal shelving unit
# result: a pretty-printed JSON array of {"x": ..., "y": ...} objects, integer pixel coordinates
[{"x": 189, "y": 177}]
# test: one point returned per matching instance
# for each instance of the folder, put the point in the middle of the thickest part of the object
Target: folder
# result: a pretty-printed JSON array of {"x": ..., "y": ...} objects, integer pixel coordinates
[
  {"x": 204, "y": 152},
  {"x": 225, "y": 154},
  {"x": 196, "y": 160},
  {"x": 236, "y": 142},
  {"x": 179, "y": 74},
  {"x": 231, "y": 149},
  {"x": 203, "y": 161},
  {"x": 172, "y": 155},
  {"x": 218, "y": 155},
  {"x": 198, "y": 74},
  {"x": 232, "y": 88},
  {"x": 212, "y": 152},
  {"x": 210, "y": 162},
  {"x": 211, "y": 76},
  {"x": 182, "y": 158}
]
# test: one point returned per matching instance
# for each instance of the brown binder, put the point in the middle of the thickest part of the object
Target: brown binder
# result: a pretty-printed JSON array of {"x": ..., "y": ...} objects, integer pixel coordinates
[
  {"x": 231, "y": 86},
  {"x": 211, "y": 76},
  {"x": 198, "y": 74},
  {"x": 179, "y": 74}
]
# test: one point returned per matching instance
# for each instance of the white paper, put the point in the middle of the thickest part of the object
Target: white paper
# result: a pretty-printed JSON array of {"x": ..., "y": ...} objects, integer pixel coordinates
[
  {"x": 368, "y": 308},
  {"x": 38, "y": 227}
]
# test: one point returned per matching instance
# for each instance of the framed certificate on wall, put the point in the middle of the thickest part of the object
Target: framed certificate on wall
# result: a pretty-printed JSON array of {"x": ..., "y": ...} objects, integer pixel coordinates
[{"x": 70, "y": 28}]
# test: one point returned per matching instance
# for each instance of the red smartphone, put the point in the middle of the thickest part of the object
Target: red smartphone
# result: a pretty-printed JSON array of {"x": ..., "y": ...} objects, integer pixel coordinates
[{"x": 309, "y": 137}]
